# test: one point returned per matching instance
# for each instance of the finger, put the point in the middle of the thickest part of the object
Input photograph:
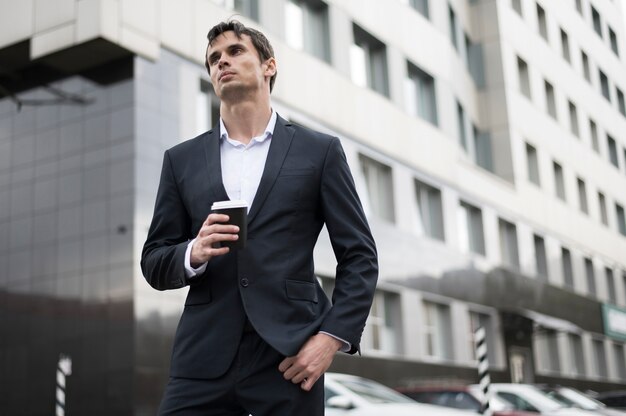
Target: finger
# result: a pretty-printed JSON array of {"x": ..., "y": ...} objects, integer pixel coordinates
[
  {"x": 207, "y": 242},
  {"x": 223, "y": 228},
  {"x": 295, "y": 373},
  {"x": 208, "y": 230},
  {"x": 300, "y": 377},
  {"x": 285, "y": 364},
  {"x": 218, "y": 238},
  {"x": 214, "y": 218},
  {"x": 308, "y": 383},
  {"x": 213, "y": 252}
]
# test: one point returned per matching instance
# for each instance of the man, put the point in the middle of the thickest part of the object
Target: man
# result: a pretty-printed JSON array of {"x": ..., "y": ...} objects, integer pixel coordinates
[{"x": 257, "y": 332}]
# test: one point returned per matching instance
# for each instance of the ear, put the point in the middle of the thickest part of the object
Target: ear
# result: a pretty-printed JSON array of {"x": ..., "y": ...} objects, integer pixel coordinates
[{"x": 270, "y": 67}]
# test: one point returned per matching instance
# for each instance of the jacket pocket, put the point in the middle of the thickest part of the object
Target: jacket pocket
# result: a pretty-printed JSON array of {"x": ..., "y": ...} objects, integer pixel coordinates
[
  {"x": 198, "y": 295},
  {"x": 299, "y": 290}
]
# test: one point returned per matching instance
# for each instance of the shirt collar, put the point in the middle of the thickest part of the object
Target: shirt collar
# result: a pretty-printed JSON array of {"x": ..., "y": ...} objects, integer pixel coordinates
[{"x": 269, "y": 130}]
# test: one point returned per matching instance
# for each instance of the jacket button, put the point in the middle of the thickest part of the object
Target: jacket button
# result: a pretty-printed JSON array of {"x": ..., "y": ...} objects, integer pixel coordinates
[{"x": 244, "y": 282}]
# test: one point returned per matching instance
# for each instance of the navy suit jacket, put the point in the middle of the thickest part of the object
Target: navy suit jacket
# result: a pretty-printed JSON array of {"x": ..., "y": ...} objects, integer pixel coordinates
[{"x": 306, "y": 183}]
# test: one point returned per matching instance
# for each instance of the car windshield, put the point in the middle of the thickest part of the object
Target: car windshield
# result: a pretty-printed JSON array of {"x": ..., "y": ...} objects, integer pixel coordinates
[
  {"x": 579, "y": 399},
  {"x": 373, "y": 392},
  {"x": 529, "y": 396},
  {"x": 496, "y": 403}
]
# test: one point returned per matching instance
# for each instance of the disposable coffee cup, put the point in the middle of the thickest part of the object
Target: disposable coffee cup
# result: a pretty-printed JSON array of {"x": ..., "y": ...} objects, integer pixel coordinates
[{"x": 237, "y": 212}]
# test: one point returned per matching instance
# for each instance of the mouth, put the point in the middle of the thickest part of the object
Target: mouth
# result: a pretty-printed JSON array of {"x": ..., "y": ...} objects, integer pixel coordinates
[{"x": 225, "y": 75}]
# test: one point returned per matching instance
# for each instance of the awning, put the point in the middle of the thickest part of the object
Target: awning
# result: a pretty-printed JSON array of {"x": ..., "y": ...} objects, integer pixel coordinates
[{"x": 550, "y": 322}]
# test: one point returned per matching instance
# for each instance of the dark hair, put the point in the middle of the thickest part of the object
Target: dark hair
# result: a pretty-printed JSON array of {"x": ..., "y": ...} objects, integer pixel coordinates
[{"x": 260, "y": 42}]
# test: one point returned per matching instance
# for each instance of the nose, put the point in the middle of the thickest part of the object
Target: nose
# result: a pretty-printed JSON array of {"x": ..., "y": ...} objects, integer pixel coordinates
[{"x": 223, "y": 61}]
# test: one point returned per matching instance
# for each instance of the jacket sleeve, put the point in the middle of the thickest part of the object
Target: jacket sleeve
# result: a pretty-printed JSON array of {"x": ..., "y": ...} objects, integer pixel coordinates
[
  {"x": 354, "y": 248},
  {"x": 162, "y": 258}
]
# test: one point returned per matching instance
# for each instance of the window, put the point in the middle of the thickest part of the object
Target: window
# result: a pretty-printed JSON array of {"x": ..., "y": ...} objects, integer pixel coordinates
[
  {"x": 517, "y": 6},
  {"x": 421, "y": 6},
  {"x": 599, "y": 358},
  {"x": 582, "y": 196},
  {"x": 541, "y": 258},
  {"x": 421, "y": 95},
  {"x": 524, "y": 78},
  {"x": 542, "y": 23},
  {"x": 568, "y": 272},
  {"x": 591, "y": 277},
  {"x": 604, "y": 85},
  {"x": 368, "y": 59},
  {"x": 550, "y": 100},
  {"x": 586, "y": 68},
  {"x": 482, "y": 149},
  {"x": 610, "y": 285},
  {"x": 379, "y": 187},
  {"x": 471, "y": 233},
  {"x": 593, "y": 130},
  {"x": 518, "y": 402},
  {"x": 475, "y": 65},
  {"x": 382, "y": 332},
  {"x": 597, "y": 21},
  {"x": 573, "y": 119},
  {"x": 207, "y": 108},
  {"x": 621, "y": 219},
  {"x": 576, "y": 359},
  {"x": 565, "y": 46},
  {"x": 624, "y": 283},
  {"x": 478, "y": 320},
  {"x": 453, "y": 28},
  {"x": 437, "y": 330},
  {"x": 621, "y": 104},
  {"x": 248, "y": 8},
  {"x": 559, "y": 181},
  {"x": 460, "y": 119},
  {"x": 430, "y": 210},
  {"x": 532, "y": 164},
  {"x": 620, "y": 361},
  {"x": 307, "y": 27},
  {"x": 612, "y": 151},
  {"x": 508, "y": 243},
  {"x": 547, "y": 349},
  {"x": 613, "y": 40},
  {"x": 604, "y": 213}
]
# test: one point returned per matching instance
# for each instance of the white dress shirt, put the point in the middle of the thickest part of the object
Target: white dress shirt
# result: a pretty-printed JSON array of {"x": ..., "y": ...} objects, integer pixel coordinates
[{"x": 242, "y": 168}]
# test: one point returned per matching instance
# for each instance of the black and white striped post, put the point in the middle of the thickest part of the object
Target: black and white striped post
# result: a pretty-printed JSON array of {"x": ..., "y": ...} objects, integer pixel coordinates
[
  {"x": 64, "y": 369},
  {"x": 483, "y": 368}
]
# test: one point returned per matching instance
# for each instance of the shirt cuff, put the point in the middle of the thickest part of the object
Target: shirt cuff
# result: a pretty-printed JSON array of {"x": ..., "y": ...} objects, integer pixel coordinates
[
  {"x": 190, "y": 272},
  {"x": 345, "y": 347}
]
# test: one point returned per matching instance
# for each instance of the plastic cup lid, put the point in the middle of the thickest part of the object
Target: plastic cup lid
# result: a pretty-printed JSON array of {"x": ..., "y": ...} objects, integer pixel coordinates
[{"x": 229, "y": 204}]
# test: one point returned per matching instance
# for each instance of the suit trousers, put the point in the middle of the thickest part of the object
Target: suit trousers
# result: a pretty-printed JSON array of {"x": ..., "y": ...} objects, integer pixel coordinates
[{"x": 252, "y": 385}]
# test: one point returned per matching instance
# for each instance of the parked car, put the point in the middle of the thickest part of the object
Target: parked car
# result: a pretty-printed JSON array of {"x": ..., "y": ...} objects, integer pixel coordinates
[
  {"x": 574, "y": 398},
  {"x": 356, "y": 396},
  {"x": 614, "y": 399},
  {"x": 460, "y": 397},
  {"x": 529, "y": 398}
]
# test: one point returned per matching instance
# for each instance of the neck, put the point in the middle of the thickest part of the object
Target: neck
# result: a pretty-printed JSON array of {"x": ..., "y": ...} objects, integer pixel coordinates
[{"x": 245, "y": 120}]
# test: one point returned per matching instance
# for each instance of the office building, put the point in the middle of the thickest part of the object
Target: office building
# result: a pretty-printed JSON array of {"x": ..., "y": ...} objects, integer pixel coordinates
[{"x": 486, "y": 139}]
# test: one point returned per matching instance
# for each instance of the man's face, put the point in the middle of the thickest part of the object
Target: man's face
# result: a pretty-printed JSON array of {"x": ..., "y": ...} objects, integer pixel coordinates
[{"x": 236, "y": 69}]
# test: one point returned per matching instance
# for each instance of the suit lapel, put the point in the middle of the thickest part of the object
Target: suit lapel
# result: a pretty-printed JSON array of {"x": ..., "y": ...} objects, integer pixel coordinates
[
  {"x": 279, "y": 146},
  {"x": 214, "y": 165}
]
